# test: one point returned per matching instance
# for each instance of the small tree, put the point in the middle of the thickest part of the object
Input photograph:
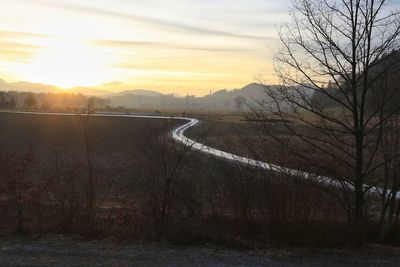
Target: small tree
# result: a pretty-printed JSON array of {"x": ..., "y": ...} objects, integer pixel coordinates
[
  {"x": 2, "y": 99},
  {"x": 91, "y": 105},
  {"x": 17, "y": 183},
  {"x": 45, "y": 106},
  {"x": 30, "y": 101},
  {"x": 12, "y": 103}
]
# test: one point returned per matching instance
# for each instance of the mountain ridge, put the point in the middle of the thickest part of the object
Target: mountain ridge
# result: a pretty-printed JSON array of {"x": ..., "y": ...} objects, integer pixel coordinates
[{"x": 223, "y": 99}]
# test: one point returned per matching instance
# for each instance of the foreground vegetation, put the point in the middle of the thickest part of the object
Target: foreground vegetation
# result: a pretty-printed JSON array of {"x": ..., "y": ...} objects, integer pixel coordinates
[{"x": 124, "y": 179}]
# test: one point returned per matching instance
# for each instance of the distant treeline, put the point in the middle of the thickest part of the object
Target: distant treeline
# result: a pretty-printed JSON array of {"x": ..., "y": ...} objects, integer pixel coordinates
[
  {"x": 48, "y": 101},
  {"x": 237, "y": 99}
]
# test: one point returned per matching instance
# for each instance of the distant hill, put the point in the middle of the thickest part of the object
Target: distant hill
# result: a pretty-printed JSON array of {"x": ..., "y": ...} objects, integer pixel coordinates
[
  {"x": 88, "y": 91},
  {"x": 219, "y": 100},
  {"x": 225, "y": 99},
  {"x": 27, "y": 87},
  {"x": 44, "y": 88},
  {"x": 141, "y": 92},
  {"x": 384, "y": 86},
  {"x": 144, "y": 98}
]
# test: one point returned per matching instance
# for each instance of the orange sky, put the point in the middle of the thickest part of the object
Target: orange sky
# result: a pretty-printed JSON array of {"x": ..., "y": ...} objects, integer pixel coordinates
[{"x": 176, "y": 46}]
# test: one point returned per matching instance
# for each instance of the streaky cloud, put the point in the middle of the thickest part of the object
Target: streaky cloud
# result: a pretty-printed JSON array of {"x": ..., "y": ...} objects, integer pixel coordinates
[
  {"x": 164, "y": 45},
  {"x": 161, "y": 23},
  {"x": 17, "y": 46},
  {"x": 17, "y": 34}
]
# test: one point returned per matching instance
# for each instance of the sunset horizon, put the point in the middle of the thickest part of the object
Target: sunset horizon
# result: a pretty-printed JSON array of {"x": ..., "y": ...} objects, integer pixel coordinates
[
  {"x": 111, "y": 88},
  {"x": 185, "y": 47}
]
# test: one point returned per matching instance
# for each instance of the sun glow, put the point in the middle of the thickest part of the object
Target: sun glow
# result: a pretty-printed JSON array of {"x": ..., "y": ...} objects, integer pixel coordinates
[
  {"x": 67, "y": 63},
  {"x": 169, "y": 46}
]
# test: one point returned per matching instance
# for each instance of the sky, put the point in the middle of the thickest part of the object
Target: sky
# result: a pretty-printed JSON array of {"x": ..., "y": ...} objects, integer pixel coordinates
[{"x": 175, "y": 46}]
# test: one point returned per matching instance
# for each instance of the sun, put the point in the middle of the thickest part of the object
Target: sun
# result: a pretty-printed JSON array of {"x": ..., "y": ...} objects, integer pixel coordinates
[{"x": 68, "y": 63}]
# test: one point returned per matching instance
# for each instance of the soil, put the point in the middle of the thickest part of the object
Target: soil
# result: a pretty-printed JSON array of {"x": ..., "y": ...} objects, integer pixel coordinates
[{"x": 72, "y": 251}]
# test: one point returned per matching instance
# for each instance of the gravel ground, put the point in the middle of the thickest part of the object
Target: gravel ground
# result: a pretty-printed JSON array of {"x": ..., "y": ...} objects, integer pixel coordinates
[{"x": 69, "y": 251}]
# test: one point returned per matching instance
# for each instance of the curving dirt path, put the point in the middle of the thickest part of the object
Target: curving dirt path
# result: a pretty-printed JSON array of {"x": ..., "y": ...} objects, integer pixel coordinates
[{"x": 178, "y": 135}]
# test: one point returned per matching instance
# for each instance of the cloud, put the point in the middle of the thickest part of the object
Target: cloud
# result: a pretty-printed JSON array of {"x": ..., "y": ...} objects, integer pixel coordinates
[
  {"x": 16, "y": 51},
  {"x": 120, "y": 43},
  {"x": 164, "y": 45},
  {"x": 15, "y": 47},
  {"x": 16, "y": 34},
  {"x": 27, "y": 87},
  {"x": 16, "y": 41},
  {"x": 158, "y": 22},
  {"x": 112, "y": 84}
]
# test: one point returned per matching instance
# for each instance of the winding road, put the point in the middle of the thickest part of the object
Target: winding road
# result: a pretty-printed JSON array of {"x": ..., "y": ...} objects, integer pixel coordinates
[{"x": 178, "y": 135}]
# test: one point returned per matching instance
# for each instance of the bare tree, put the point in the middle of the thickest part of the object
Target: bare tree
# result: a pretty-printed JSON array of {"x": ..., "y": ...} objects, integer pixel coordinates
[
  {"x": 93, "y": 182},
  {"x": 331, "y": 65},
  {"x": 390, "y": 186}
]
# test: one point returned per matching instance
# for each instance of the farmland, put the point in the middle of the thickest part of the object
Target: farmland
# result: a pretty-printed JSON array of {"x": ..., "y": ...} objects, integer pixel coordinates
[
  {"x": 48, "y": 134},
  {"x": 146, "y": 187},
  {"x": 126, "y": 178}
]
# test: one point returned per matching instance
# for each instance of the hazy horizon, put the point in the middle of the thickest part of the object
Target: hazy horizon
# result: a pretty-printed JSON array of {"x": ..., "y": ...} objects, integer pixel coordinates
[{"x": 183, "y": 47}]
